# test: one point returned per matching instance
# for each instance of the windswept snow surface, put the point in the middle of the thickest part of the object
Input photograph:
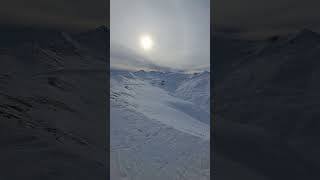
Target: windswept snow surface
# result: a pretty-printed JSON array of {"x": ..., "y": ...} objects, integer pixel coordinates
[{"x": 155, "y": 133}]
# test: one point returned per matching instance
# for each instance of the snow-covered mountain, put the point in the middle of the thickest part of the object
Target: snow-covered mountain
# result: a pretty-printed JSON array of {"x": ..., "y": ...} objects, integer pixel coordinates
[
  {"x": 196, "y": 88},
  {"x": 266, "y": 102},
  {"x": 155, "y": 118},
  {"x": 53, "y": 107},
  {"x": 193, "y": 87}
]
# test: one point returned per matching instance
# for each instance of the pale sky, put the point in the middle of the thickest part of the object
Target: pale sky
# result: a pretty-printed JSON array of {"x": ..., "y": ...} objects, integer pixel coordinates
[{"x": 179, "y": 30}]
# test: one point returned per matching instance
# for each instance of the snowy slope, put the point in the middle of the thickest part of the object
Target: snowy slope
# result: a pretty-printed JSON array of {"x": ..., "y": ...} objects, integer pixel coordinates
[
  {"x": 196, "y": 89},
  {"x": 149, "y": 121},
  {"x": 267, "y": 103},
  {"x": 53, "y": 111}
]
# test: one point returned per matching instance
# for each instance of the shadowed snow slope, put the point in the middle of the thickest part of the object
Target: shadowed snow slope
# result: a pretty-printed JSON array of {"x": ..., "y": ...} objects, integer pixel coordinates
[
  {"x": 267, "y": 105},
  {"x": 53, "y": 111}
]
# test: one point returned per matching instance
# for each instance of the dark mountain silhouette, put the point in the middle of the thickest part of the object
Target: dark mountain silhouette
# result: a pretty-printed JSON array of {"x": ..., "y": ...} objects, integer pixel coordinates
[
  {"x": 266, "y": 106},
  {"x": 96, "y": 40},
  {"x": 53, "y": 105}
]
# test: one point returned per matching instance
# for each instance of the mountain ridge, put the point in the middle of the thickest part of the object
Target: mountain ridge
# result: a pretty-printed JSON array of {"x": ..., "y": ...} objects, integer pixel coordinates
[{"x": 265, "y": 101}]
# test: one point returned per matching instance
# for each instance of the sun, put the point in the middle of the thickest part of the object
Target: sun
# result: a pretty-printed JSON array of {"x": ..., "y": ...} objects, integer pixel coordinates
[{"x": 146, "y": 42}]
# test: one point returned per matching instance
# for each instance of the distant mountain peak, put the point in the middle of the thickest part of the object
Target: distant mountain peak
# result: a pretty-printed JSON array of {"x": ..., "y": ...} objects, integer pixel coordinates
[
  {"x": 97, "y": 32},
  {"x": 95, "y": 40},
  {"x": 141, "y": 71},
  {"x": 103, "y": 28},
  {"x": 307, "y": 31},
  {"x": 306, "y": 34}
]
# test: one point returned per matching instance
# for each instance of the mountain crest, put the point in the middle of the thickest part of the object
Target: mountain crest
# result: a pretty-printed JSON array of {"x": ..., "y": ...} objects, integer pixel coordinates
[
  {"x": 103, "y": 28},
  {"x": 305, "y": 35},
  {"x": 306, "y": 31}
]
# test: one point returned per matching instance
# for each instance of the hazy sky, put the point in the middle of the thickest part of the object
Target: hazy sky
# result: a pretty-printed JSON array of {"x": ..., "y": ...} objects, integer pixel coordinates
[
  {"x": 179, "y": 29},
  {"x": 265, "y": 17},
  {"x": 64, "y": 14}
]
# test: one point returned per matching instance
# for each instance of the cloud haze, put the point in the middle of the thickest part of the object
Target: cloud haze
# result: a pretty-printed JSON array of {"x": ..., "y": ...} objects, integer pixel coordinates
[
  {"x": 125, "y": 58},
  {"x": 180, "y": 30}
]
